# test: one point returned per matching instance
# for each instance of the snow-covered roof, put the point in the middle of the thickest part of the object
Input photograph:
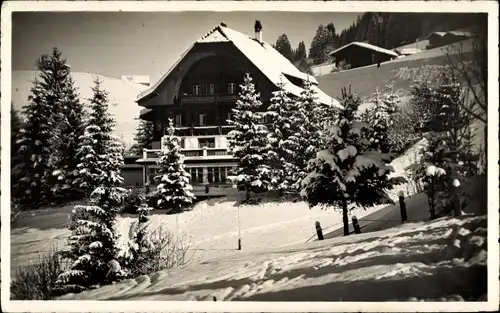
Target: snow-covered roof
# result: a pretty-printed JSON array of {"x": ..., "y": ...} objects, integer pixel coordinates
[
  {"x": 267, "y": 59},
  {"x": 460, "y": 33},
  {"x": 441, "y": 34},
  {"x": 366, "y": 46},
  {"x": 407, "y": 51}
]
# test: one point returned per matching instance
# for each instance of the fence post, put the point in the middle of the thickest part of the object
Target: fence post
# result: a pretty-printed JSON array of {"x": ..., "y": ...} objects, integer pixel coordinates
[
  {"x": 319, "y": 231},
  {"x": 239, "y": 243},
  {"x": 355, "y": 224},
  {"x": 402, "y": 206},
  {"x": 456, "y": 198}
]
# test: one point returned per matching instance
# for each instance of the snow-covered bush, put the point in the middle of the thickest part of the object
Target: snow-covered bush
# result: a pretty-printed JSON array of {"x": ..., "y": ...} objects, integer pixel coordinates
[
  {"x": 154, "y": 251},
  {"x": 249, "y": 143},
  {"x": 348, "y": 173},
  {"x": 173, "y": 192},
  {"x": 37, "y": 281},
  {"x": 133, "y": 201}
]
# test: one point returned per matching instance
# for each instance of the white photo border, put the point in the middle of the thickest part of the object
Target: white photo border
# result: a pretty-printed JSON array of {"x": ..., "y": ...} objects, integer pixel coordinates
[{"x": 490, "y": 7}]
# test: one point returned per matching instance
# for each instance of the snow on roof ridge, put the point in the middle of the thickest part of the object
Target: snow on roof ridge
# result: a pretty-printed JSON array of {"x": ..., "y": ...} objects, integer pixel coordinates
[
  {"x": 260, "y": 60},
  {"x": 366, "y": 45}
]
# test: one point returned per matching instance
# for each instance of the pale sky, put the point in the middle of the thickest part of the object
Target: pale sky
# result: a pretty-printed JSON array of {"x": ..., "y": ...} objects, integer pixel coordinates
[{"x": 129, "y": 43}]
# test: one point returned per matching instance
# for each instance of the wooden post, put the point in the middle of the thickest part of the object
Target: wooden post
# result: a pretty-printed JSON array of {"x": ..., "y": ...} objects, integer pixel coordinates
[
  {"x": 402, "y": 206},
  {"x": 319, "y": 231},
  {"x": 355, "y": 224},
  {"x": 239, "y": 243},
  {"x": 456, "y": 198}
]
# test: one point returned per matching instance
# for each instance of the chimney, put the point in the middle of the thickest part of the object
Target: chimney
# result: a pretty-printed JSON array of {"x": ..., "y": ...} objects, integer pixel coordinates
[{"x": 258, "y": 31}]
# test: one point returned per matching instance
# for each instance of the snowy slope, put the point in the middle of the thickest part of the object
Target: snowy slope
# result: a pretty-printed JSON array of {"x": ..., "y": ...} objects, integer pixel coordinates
[
  {"x": 122, "y": 95},
  {"x": 447, "y": 256}
]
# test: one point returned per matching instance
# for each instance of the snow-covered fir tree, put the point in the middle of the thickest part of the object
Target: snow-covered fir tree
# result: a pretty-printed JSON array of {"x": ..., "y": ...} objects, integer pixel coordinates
[
  {"x": 69, "y": 124},
  {"x": 249, "y": 142},
  {"x": 15, "y": 131},
  {"x": 143, "y": 137},
  {"x": 310, "y": 139},
  {"x": 286, "y": 122},
  {"x": 381, "y": 119},
  {"x": 139, "y": 249},
  {"x": 348, "y": 173},
  {"x": 448, "y": 157},
  {"x": 93, "y": 247},
  {"x": 33, "y": 172},
  {"x": 173, "y": 192},
  {"x": 99, "y": 151}
]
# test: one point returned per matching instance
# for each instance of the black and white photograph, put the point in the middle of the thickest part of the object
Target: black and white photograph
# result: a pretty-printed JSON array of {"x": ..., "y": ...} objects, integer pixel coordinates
[{"x": 292, "y": 156}]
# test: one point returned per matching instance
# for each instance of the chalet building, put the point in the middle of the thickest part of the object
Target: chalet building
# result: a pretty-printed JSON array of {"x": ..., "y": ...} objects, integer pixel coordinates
[
  {"x": 198, "y": 93},
  {"x": 439, "y": 39},
  {"x": 358, "y": 54}
]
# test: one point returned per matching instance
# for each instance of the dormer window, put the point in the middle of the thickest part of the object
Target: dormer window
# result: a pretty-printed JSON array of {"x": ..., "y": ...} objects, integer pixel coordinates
[
  {"x": 196, "y": 90},
  {"x": 231, "y": 88}
]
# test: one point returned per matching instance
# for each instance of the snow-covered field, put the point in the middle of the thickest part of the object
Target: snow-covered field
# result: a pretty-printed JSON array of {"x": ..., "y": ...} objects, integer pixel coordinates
[
  {"x": 440, "y": 260},
  {"x": 211, "y": 227}
]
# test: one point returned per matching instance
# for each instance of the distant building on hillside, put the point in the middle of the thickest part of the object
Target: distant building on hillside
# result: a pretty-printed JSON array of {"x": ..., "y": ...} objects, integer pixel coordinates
[
  {"x": 407, "y": 51},
  {"x": 439, "y": 39},
  {"x": 198, "y": 93},
  {"x": 358, "y": 54},
  {"x": 138, "y": 79}
]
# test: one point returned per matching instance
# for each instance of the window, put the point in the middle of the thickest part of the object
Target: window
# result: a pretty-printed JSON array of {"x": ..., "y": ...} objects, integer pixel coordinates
[
  {"x": 231, "y": 88},
  {"x": 196, "y": 175},
  {"x": 217, "y": 174},
  {"x": 202, "y": 119},
  {"x": 178, "y": 120},
  {"x": 196, "y": 90},
  {"x": 183, "y": 143},
  {"x": 211, "y": 89},
  {"x": 206, "y": 142}
]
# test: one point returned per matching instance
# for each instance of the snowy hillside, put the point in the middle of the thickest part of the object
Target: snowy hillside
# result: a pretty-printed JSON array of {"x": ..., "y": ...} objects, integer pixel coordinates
[
  {"x": 445, "y": 256},
  {"x": 211, "y": 227},
  {"x": 122, "y": 95}
]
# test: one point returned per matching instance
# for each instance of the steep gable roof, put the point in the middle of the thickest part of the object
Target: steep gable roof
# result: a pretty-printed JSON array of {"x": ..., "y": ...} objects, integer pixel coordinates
[{"x": 269, "y": 61}]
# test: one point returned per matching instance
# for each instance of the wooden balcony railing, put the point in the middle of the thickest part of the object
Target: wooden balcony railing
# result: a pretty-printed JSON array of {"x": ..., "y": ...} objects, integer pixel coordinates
[
  {"x": 209, "y": 98},
  {"x": 189, "y": 153}
]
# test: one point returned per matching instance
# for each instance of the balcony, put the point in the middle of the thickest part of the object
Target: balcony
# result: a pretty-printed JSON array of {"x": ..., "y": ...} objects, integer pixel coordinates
[
  {"x": 194, "y": 99},
  {"x": 199, "y": 153}
]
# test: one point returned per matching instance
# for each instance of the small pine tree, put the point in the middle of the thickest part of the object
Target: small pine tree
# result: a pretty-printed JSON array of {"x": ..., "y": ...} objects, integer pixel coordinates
[
  {"x": 310, "y": 137},
  {"x": 98, "y": 149},
  {"x": 93, "y": 247},
  {"x": 138, "y": 254},
  {"x": 286, "y": 122},
  {"x": 381, "y": 119},
  {"x": 249, "y": 142},
  {"x": 347, "y": 173},
  {"x": 143, "y": 137},
  {"x": 173, "y": 192}
]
